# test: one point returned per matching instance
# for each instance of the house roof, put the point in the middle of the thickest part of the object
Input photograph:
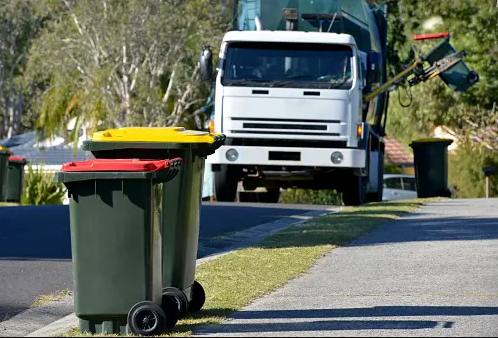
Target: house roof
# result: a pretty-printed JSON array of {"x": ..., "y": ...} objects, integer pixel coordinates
[
  {"x": 24, "y": 146},
  {"x": 396, "y": 153}
]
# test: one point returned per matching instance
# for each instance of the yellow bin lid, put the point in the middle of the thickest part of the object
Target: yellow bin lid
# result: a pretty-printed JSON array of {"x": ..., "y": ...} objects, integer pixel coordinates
[
  {"x": 5, "y": 150},
  {"x": 162, "y": 135}
]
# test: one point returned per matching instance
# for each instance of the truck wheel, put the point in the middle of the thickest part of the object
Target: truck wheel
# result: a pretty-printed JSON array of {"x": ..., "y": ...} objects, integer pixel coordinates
[
  {"x": 271, "y": 196},
  {"x": 226, "y": 181},
  {"x": 377, "y": 196},
  {"x": 355, "y": 192}
]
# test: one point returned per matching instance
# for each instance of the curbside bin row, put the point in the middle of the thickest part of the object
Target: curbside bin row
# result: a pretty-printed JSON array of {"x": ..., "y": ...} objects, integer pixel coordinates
[
  {"x": 4, "y": 160},
  {"x": 135, "y": 228},
  {"x": 181, "y": 202},
  {"x": 115, "y": 220}
]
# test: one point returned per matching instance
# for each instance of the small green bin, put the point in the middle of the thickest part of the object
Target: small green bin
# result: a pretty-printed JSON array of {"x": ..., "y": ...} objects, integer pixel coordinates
[
  {"x": 15, "y": 179},
  {"x": 115, "y": 217},
  {"x": 181, "y": 202},
  {"x": 4, "y": 161},
  {"x": 431, "y": 167}
]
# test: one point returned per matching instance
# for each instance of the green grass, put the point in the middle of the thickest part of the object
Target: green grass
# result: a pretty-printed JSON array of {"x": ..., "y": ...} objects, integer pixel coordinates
[
  {"x": 45, "y": 299},
  {"x": 235, "y": 280}
]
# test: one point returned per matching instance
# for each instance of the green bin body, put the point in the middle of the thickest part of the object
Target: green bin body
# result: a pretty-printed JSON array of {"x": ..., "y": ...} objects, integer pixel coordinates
[
  {"x": 458, "y": 77},
  {"x": 4, "y": 167},
  {"x": 15, "y": 179},
  {"x": 431, "y": 167},
  {"x": 115, "y": 220},
  {"x": 181, "y": 202}
]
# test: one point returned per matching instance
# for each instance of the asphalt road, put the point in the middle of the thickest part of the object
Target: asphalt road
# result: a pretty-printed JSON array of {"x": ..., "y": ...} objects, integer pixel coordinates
[{"x": 35, "y": 248}]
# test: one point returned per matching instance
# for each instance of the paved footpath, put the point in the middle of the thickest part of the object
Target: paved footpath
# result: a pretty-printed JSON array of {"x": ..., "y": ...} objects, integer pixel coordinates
[{"x": 431, "y": 273}]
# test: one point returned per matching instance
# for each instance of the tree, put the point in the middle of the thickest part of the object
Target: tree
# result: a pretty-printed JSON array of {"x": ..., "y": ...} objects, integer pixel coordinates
[
  {"x": 19, "y": 22},
  {"x": 124, "y": 63}
]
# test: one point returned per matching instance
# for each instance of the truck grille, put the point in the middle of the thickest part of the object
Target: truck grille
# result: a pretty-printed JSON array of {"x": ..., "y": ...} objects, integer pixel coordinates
[
  {"x": 284, "y": 126},
  {"x": 301, "y": 127}
]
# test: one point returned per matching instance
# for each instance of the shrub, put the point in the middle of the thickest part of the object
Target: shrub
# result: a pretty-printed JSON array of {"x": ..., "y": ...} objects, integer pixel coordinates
[
  {"x": 390, "y": 168},
  {"x": 305, "y": 196},
  {"x": 40, "y": 188},
  {"x": 465, "y": 171}
]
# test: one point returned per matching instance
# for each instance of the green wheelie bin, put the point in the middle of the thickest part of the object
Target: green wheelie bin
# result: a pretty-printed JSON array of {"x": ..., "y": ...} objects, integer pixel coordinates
[
  {"x": 431, "y": 167},
  {"x": 181, "y": 202},
  {"x": 15, "y": 179},
  {"x": 4, "y": 160},
  {"x": 115, "y": 217}
]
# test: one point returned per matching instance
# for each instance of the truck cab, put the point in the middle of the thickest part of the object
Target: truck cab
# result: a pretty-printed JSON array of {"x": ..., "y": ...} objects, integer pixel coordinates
[{"x": 290, "y": 104}]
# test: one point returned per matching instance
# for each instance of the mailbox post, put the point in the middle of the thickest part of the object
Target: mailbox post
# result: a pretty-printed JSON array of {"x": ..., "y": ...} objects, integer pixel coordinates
[{"x": 488, "y": 172}]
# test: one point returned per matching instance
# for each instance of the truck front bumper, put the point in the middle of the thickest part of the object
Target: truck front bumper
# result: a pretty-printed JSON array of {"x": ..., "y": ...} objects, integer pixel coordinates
[{"x": 285, "y": 156}]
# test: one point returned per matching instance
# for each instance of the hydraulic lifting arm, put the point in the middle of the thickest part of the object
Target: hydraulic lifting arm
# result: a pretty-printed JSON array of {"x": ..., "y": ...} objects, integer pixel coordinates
[{"x": 442, "y": 58}]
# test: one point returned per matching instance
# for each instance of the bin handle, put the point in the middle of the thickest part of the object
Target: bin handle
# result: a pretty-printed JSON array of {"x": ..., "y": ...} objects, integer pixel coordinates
[
  {"x": 172, "y": 166},
  {"x": 219, "y": 140}
]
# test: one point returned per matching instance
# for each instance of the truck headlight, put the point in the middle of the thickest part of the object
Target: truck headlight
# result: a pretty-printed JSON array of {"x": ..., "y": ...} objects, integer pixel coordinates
[
  {"x": 337, "y": 157},
  {"x": 232, "y": 155}
]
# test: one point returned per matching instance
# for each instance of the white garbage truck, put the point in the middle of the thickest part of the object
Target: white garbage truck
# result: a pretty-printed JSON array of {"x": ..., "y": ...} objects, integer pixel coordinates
[{"x": 305, "y": 107}]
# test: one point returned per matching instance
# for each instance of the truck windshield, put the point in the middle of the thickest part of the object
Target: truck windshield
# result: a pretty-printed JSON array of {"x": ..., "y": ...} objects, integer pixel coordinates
[{"x": 290, "y": 65}]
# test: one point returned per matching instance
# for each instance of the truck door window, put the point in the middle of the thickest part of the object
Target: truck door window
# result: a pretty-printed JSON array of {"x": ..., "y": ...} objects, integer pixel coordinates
[{"x": 293, "y": 65}]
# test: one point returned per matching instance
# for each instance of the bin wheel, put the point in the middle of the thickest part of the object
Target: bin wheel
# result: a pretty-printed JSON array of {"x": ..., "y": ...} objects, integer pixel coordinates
[
  {"x": 146, "y": 319},
  {"x": 170, "y": 308},
  {"x": 171, "y": 294},
  {"x": 198, "y": 298}
]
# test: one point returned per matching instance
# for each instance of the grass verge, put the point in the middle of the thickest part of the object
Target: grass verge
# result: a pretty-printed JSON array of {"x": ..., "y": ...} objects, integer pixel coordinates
[
  {"x": 235, "y": 280},
  {"x": 45, "y": 299},
  {"x": 5, "y": 204}
]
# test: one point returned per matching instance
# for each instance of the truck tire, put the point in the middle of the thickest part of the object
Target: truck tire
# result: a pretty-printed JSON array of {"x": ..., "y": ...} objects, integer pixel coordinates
[
  {"x": 226, "y": 181},
  {"x": 355, "y": 192},
  {"x": 271, "y": 196},
  {"x": 377, "y": 196}
]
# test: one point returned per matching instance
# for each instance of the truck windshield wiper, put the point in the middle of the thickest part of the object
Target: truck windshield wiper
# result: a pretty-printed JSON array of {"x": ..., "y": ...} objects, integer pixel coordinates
[
  {"x": 338, "y": 83},
  {"x": 299, "y": 76},
  {"x": 288, "y": 80},
  {"x": 244, "y": 81}
]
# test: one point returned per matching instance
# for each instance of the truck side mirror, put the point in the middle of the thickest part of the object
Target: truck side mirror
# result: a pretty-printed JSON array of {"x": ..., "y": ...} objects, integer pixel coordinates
[{"x": 206, "y": 64}]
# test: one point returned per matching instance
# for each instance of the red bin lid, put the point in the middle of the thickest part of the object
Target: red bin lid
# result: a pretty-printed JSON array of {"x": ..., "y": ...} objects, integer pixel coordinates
[
  {"x": 133, "y": 165},
  {"x": 17, "y": 159}
]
